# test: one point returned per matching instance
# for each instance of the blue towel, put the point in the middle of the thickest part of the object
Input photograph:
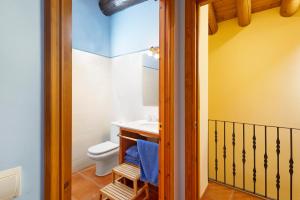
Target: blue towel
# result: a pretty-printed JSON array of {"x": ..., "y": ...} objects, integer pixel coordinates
[
  {"x": 133, "y": 152},
  {"x": 148, "y": 153},
  {"x": 132, "y": 160}
]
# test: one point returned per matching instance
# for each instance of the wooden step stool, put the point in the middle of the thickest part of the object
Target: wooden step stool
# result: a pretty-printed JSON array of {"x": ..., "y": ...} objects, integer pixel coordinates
[{"x": 120, "y": 191}]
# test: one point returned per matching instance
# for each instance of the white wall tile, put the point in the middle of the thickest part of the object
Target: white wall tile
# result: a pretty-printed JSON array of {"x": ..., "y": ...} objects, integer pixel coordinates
[
  {"x": 92, "y": 107},
  {"x": 104, "y": 90}
]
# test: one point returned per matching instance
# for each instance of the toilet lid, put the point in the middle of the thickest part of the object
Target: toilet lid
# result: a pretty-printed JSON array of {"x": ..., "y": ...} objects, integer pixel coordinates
[{"x": 102, "y": 147}]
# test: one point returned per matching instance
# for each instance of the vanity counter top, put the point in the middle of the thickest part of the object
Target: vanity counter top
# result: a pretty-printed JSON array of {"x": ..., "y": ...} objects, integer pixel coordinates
[{"x": 140, "y": 125}]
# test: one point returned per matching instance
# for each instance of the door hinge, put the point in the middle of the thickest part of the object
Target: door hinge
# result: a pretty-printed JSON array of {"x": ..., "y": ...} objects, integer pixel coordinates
[{"x": 66, "y": 185}]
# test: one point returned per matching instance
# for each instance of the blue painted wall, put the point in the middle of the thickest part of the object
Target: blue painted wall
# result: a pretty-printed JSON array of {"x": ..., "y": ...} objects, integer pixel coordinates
[
  {"x": 21, "y": 82},
  {"x": 135, "y": 29},
  {"x": 131, "y": 30},
  {"x": 91, "y": 29}
]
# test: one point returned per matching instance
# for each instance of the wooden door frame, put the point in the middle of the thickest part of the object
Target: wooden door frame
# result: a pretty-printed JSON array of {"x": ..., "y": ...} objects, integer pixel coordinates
[
  {"x": 58, "y": 99},
  {"x": 191, "y": 101},
  {"x": 192, "y": 137},
  {"x": 166, "y": 98}
]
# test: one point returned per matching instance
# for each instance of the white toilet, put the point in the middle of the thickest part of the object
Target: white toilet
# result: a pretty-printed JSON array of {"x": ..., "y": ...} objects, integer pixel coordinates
[{"x": 106, "y": 154}]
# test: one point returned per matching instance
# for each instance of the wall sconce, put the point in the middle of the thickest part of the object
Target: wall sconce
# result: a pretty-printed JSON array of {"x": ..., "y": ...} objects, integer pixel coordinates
[{"x": 153, "y": 51}]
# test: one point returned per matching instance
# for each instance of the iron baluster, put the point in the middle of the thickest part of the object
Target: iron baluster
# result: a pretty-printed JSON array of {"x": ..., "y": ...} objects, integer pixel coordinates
[
  {"x": 254, "y": 141},
  {"x": 291, "y": 164},
  {"x": 278, "y": 174},
  {"x": 266, "y": 163},
  {"x": 244, "y": 156},
  {"x": 224, "y": 152},
  {"x": 216, "y": 150},
  {"x": 254, "y": 155},
  {"x": 233, "y": 147}
]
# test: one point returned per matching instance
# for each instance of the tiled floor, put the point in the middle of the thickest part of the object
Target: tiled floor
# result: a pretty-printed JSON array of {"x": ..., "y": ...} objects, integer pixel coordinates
[
  {"x": 218, "y": 192},
  {"x": 86, "y": 185}
]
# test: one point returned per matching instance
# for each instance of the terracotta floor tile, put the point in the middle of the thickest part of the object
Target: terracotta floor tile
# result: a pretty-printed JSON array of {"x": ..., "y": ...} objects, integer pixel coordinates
[
  {"x": 216, "y": 192},
  {"x": 243, "y": 196},
  {"x": 84, "y": 189},
  {"x": 219, "y": 192},
  {"x": 86, "y": 185},
  {"x": 101, "y": 181}
]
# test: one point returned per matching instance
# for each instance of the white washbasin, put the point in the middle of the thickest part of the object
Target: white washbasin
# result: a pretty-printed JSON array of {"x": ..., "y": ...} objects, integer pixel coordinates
[
  {"x": 148, "y": 124},
  {"x": 142, "y": 125}
]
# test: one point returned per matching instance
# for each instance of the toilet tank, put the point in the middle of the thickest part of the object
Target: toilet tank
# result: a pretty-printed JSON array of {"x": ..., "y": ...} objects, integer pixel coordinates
[{"x": 114, "y": 133}]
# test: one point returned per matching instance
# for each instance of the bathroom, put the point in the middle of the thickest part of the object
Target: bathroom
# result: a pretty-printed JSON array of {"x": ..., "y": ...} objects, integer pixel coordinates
[{"x": 115, "y": 63}]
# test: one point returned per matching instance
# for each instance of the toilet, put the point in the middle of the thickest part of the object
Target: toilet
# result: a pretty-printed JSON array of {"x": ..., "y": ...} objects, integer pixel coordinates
[{"x": 106, "y": 154}]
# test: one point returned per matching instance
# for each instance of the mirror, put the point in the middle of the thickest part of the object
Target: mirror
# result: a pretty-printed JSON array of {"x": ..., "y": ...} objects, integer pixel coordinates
[{"x": 150, "y": 80}]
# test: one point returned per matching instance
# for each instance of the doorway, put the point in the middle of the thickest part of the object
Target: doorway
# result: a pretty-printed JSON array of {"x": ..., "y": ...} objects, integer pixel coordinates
[
  {"x": 58, "y": 99},
  {"x": 252, "y": 129}
]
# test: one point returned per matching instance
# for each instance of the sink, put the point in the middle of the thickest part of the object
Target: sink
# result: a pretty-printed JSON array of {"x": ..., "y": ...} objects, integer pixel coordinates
[
  {"x": 142, "y": 125},
  {"x": 148, "y": 124}
]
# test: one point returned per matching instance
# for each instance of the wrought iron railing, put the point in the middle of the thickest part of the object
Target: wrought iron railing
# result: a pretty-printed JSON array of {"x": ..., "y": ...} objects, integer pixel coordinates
[{"x": 242, "y": 153}]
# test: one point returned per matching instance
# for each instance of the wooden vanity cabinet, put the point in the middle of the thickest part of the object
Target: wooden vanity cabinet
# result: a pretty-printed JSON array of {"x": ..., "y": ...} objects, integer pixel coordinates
[{"x": 125, "y": 143}]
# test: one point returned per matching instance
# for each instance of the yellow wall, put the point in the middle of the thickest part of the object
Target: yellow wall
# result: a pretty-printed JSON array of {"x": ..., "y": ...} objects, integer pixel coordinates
[
  {"x": 254, "y": 72},
  {"x": 254, "y": 76}
]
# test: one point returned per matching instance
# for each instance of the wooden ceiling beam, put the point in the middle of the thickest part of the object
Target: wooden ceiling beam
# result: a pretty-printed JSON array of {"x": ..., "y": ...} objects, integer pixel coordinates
[
  {"x": 243, "y": 12},
  {"x": 212, "y": 21},
  {"x": 289, "y": 7}
]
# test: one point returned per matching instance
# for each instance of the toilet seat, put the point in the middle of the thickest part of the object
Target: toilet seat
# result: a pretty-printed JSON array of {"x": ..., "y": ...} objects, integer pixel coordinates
[{"x": 102, "y": 148}]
